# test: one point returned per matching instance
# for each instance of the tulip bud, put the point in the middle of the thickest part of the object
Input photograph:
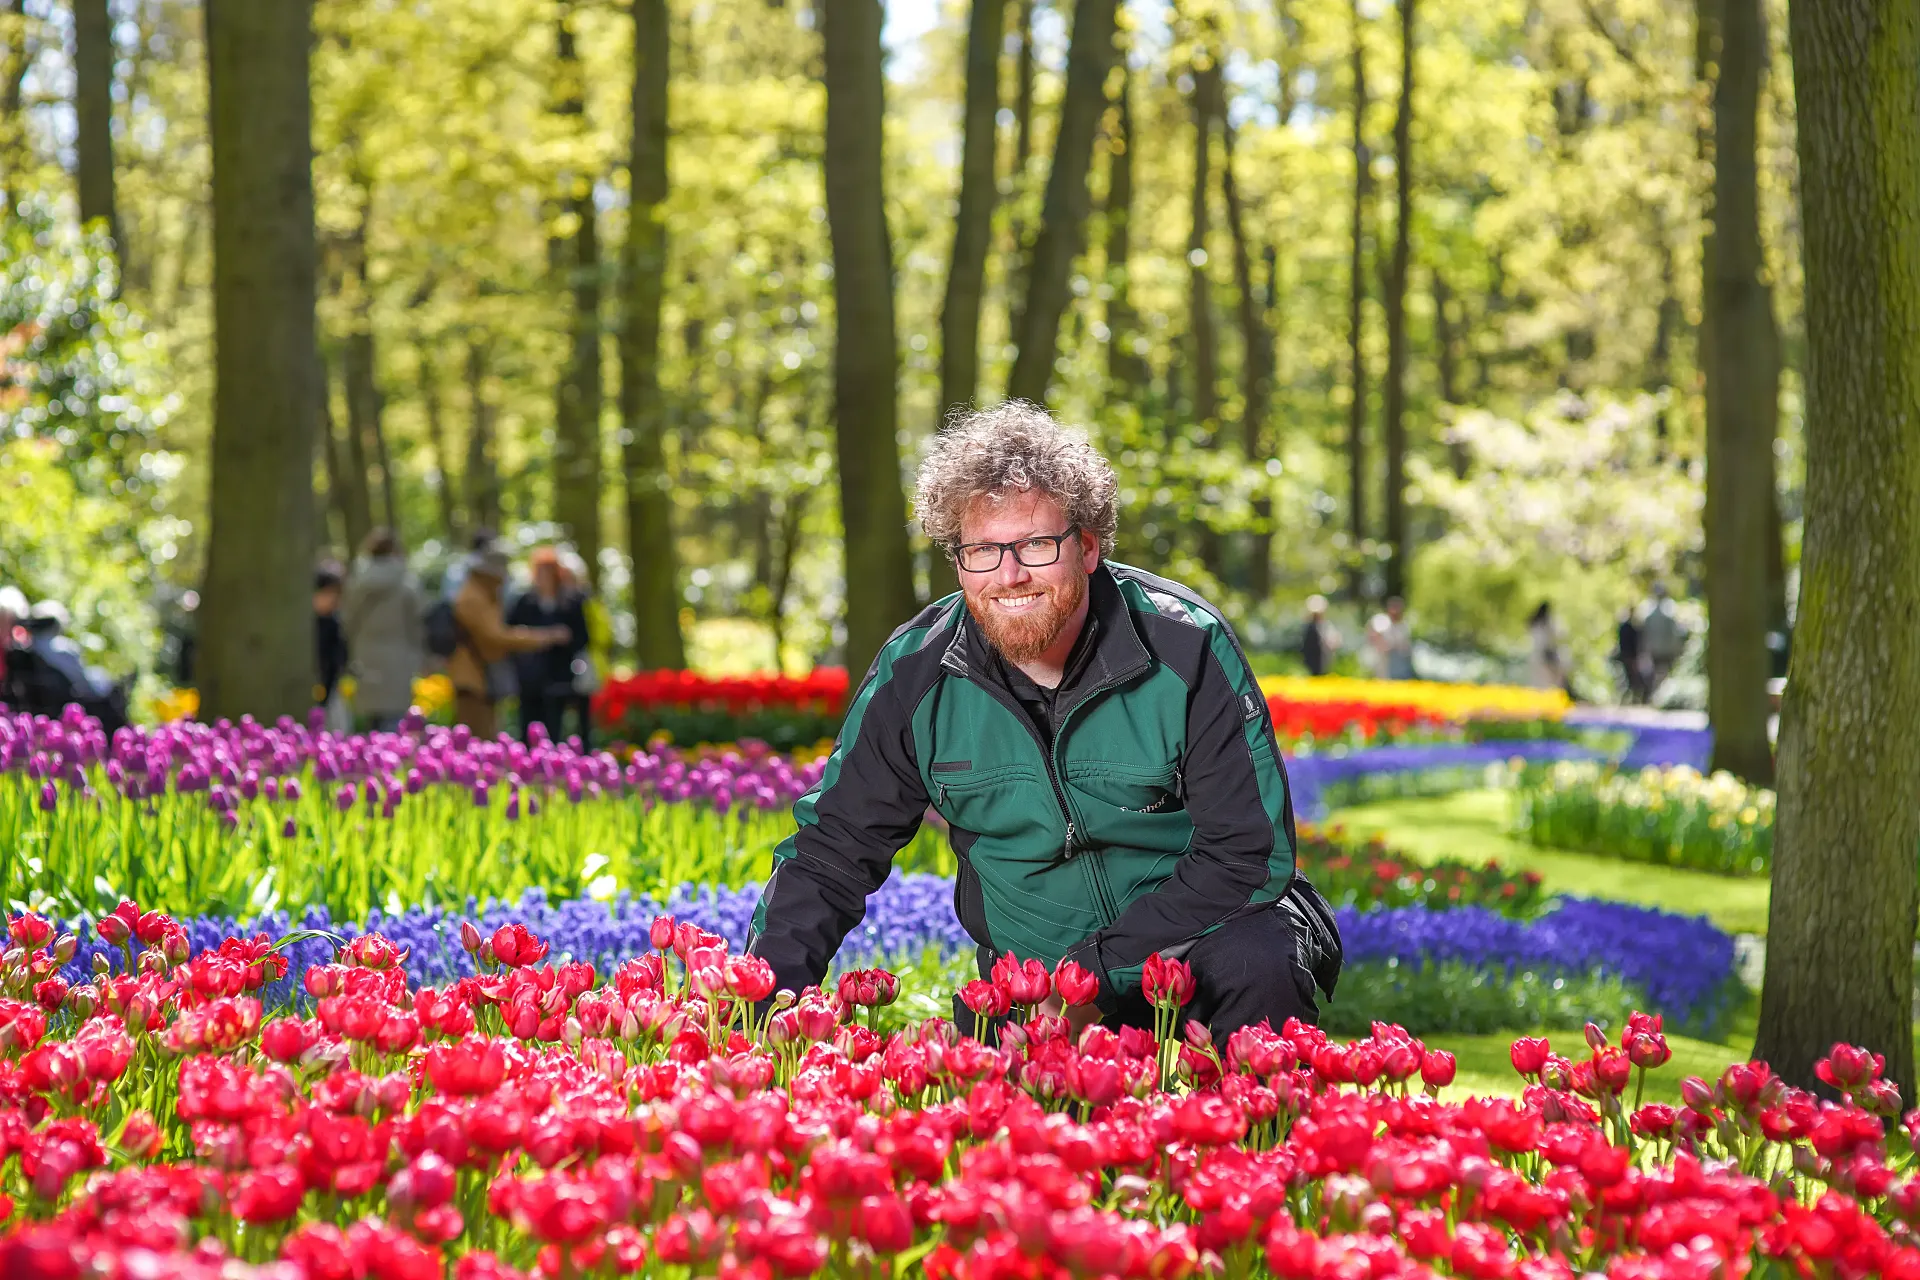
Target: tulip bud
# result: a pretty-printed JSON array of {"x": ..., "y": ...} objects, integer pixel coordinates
[
  {"x": 64, "y": 948},
  {"x": 176, "y": 948},
  {"x": 1596, "y": 1038}
]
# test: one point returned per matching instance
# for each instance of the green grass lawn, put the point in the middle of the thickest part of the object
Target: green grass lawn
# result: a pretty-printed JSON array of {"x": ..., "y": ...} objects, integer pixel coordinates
[{"x": 1477, "y": 826}]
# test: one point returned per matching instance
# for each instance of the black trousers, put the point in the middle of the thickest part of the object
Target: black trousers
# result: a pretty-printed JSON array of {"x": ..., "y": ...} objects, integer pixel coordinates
[{"x": 1246, "y": 971}]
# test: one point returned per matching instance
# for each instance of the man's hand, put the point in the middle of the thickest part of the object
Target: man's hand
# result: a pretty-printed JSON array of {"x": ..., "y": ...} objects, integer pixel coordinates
[{"x": 1079, "y": 1017}]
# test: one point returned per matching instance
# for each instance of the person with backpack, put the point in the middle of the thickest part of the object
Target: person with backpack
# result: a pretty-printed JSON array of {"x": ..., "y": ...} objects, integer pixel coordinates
[
  {"x": 483, "y": 639},
  {"x": 380, "y": 612}
]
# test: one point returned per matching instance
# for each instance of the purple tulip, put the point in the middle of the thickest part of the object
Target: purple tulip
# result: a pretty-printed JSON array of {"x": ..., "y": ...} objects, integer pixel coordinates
[
  {"x": 289, "y": 829},
  {"x": 49, "y": 798},
  {"x": 343, "y": 798}
]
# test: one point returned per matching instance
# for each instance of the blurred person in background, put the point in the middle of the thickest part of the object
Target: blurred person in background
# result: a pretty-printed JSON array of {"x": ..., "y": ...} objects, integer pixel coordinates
[
  {"x": 1662, "y": 637},
  {"x": 1546, "y": 657},
  {"x": 13, "y": 608},
  {"x": 591, "y": 665},
  {"x": 1390, "y": 642},
  {"x": 1631, "y": 657},
  {"x": 546, "y": 675},
  {"x": 484, "y": 640},
  {"x": 1319, "y": 641},
  {"x": 381, "y": 614},
  {"x": 330, "y": 648}
]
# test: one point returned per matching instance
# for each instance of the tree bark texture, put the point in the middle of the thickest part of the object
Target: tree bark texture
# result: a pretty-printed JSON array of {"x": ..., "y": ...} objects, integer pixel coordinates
[
  {"x": 873, "y": 504},
  {"x": 1126, "y": 369},
  {"x": 93, "y": 112},
  {"x": 1394, "y": 398},
  {"x": 1203, "y": 340},
  {"x": 1841, "y": 925},
  {"x": 256, "y": 623},
  {"x": 973, "y": 228},
  {"x": 1742, "y": 403},
  {"x": 1356, "y": 310},
  {"x": 1063, "y": 212},
  {"x": 649, "y": 489},
  {"x": 576, "y": 437},
  {"x": 482, "y": 473}
]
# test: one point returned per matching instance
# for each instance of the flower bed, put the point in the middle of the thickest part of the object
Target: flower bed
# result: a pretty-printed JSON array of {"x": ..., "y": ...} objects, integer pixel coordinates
[
  {"x": 1325, "y": 782},
  {"x": 785, "y": 712},
  {"x": 239, "y": 819},
  {"x": 1369, "y": 875},
  {"x": 541, "y": 1118},
  {"x": 1449, "y": 702},
  {"x": 1674, "y": 817}
]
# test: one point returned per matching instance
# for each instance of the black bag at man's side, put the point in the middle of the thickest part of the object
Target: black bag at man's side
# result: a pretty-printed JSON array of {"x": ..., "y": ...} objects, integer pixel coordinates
[{"x": 1315, "y": 931}]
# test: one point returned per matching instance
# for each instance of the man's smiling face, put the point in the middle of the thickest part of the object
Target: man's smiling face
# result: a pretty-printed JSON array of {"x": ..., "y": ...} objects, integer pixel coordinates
[{"x": 1022, "y": 609}]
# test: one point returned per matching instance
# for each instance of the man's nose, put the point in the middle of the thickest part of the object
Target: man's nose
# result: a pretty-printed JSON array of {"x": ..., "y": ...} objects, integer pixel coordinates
[{"x": 1011, "y": 572}]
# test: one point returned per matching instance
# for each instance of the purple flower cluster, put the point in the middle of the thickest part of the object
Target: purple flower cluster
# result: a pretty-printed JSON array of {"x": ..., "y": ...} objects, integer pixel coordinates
[
  {"x": 232, "y": 764},
  {"x": 1683, "y": 964},
  {"x": 1315, "y": 778}
]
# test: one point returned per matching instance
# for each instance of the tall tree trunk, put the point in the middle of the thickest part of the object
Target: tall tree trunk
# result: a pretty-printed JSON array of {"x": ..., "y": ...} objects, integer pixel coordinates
[
  {"x": 1742, "y": 399},
  {"x": 366, "y": 437},
  {"x": 1841, "y": 925},
  {"x": 1126, "y": 369},
  {"x": 16, "y": 151},
  {"x": 93, "y": 112},
  {"x": 1022, "y": 89},
  {"x": 576, "y": 437},
  {"x": 1256, "y": 363},
  {"x": 1395, "y": 398},
  {"x": 1063, "y": 212},
  {"x": 1447, "y": 361},
  {"x": 256, "y": 651},
  {"x": 1356, "y": 312},
  {"x": 873, "y": 505},
  {"x": 1203, "y": 342},
  {"x": 437, "y": 443},
  {"x": 973, "y": 228},
  {"x": 1667, "y": 321},
  {"x": 656, "y": 564},
  {"x": 350, "y": 494},
  {"x": 482, "y": 469}
]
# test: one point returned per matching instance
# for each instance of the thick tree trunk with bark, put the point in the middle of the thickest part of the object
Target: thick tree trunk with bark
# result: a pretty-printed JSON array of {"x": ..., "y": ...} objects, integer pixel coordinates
[
  {"x": 656, "y": 564},
  {"x": 873, "y": 504},
  {"x": 93, "y": 112},
  {"x": 1126, "y": 369},
  {"x": 1394, "y": 407},
  {"x": 1063, "y": 213},
  {"x": 1841, "y": 926},
  {"x": 973, "y": 227},
  {"x": 1356, "y": 310},
  {"x": 1203, "y": 343},
  {"x": 1742, "y": 404},
  {"x": 256, "y": 623},
  {"x": 576, "y": 437},
  {"x": 482, "y": 473}
]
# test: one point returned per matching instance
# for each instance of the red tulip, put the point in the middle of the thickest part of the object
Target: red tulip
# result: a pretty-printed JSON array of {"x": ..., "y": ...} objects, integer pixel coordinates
[
  {"x": 516, "y": 948},
  {"x": 1168, "y": 984},
  {"x": 1076, "y": 984}
]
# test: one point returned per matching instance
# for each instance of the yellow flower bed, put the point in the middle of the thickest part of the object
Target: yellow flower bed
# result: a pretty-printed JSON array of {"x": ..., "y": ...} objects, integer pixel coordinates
[
  {"x": 1453, "y": 701},
  {"x": 431, "y": 693}
]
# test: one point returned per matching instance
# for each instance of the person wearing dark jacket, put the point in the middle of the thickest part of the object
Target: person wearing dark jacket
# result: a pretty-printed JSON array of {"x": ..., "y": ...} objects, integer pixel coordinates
[
  {"x": 329, "y": 637},
  {"x": 1094, "y": 737},
  {"x": 546, "y": 675}
]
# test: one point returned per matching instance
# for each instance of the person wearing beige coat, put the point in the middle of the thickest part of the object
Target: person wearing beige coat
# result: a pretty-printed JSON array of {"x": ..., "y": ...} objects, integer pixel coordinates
[{"x": 485, "y": 639}]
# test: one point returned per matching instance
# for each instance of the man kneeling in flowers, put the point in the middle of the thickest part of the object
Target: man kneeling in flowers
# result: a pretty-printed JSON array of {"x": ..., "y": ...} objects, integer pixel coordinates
[{"x": 1094, "y": 737}]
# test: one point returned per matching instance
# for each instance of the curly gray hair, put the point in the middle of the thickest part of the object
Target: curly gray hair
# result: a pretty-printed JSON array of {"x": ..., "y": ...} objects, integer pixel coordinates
[{"x": 1015, "y": 447}]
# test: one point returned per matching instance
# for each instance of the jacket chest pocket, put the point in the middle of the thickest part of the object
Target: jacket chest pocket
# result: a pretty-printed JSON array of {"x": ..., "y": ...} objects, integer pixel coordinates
[
  {"x": 1006, "y": 802},
  {"x": 1128, "y": 789}
]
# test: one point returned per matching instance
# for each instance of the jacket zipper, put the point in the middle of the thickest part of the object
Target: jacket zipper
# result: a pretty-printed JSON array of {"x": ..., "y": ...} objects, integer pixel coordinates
[{"x": 1096, "y": 871}]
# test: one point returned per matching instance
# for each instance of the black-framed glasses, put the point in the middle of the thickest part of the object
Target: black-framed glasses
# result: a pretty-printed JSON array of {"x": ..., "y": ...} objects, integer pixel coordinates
[{"x": 1034, "y": 553}]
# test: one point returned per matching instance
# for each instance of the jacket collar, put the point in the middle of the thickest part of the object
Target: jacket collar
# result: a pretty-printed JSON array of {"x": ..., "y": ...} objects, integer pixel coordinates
[{"x": 1119, "y": 654}]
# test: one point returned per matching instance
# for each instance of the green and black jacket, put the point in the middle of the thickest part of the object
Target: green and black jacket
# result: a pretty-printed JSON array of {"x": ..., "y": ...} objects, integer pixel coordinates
[{"x": 1159, "y": 812}]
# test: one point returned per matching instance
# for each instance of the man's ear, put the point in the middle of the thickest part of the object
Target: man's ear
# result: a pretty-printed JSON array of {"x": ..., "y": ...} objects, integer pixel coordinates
[{"x": 1089, "y": 551}]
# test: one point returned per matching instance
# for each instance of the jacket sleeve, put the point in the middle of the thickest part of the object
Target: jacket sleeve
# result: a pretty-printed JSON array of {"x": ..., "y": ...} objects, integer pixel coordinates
[
  {"x": 488, "y": 634},
  {"x": 1242, "y": 850},
  {"x": 866, "y": 807}
]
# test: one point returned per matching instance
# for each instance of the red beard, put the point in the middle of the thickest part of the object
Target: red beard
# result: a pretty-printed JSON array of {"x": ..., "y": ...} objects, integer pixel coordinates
[{"x": 1024, "y": 637}]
